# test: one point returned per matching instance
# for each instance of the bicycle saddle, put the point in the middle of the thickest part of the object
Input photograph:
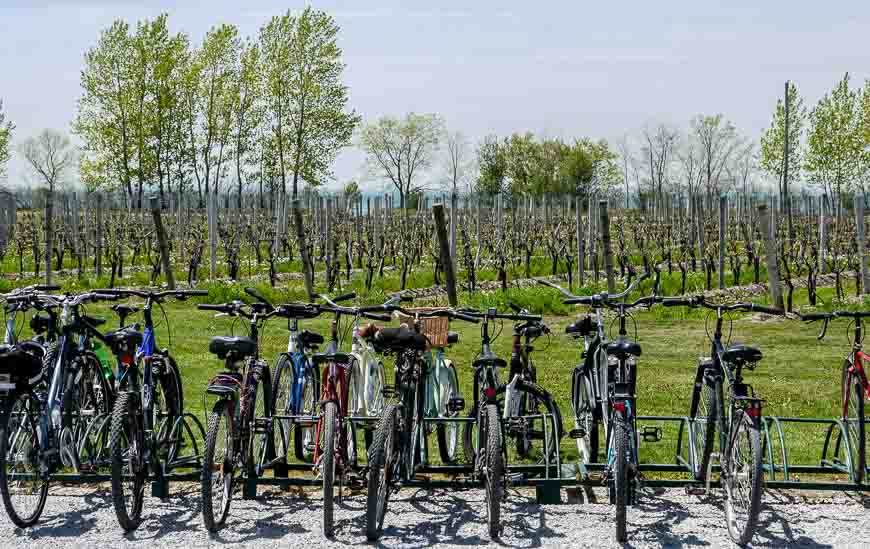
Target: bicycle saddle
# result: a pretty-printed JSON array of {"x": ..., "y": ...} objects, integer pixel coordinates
[
  {"x": 739, "y": 354},
  {"x": 580, "y": 326},
  {"x": 622, "y": 348},
  {"x": 401, "y": 338},
  {"x": 123, "y": 310},
  {"x": 309, "y": 340},
  {"x": 234, "y": 347}
]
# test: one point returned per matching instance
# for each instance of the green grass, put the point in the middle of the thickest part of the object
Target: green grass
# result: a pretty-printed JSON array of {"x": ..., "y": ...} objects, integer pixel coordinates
[{"x": 799, "y": 376}]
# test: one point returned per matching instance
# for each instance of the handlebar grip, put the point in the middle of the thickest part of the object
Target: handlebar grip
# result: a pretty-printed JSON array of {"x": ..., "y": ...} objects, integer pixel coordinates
[
  {"x": 372, "y": 309},
  {"x": 673, "y": 302},
  {"x": 812, "y": 317},
  {"x": 768, "y": 310},
  {"x": 580, "y": 300},
  {"x": 193, "y": 292},
  {"x": 382, "y": 318},
  {"x": 516, "y": 308},
  {"x": 466, "y": 318},
  {"x": 210, "y": 307},
  {"x": 345, "y": 297},
  {"x": 255, "y": 293},
  {"x": 47, "y": 287}
]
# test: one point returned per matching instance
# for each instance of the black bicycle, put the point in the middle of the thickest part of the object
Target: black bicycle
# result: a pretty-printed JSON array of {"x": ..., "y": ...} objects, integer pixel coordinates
[{"x": 738, "y": 421}]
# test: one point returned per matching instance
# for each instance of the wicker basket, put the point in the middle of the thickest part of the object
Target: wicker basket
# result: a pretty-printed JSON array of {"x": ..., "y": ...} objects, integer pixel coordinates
[{"x": 434, "y": 328}]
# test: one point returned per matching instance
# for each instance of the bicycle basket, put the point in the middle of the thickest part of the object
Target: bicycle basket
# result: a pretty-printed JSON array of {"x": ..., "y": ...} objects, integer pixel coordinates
[{"x": 434, "y": 328}]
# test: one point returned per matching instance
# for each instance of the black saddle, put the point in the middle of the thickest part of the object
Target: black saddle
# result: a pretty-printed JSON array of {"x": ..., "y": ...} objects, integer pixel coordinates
[
  {"x": 400, "y": 338},
  {"x": 740, "y": 354},
  {"x": 338, "y": 358},
  {"x": 623, "y": 348},
  {"x": 123, "y": 310},
  {"x": 232, "y": 347},
  {"x": 580, "y": 327},
  {"x": 125, "y": 339},
  {"x": 309, "y": 340}
]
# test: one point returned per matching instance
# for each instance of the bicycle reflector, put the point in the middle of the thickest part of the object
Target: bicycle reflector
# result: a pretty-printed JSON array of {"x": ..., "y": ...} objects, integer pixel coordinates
[{"x": 489, "y": 392}]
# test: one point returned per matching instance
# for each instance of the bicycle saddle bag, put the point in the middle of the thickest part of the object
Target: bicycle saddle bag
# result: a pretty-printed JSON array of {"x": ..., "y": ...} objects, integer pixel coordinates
[
  {"x": 739, "y": 354},
  {"x": 22, "y": 363},
  {"x": 400, "y": 338},
  {"x": 124, "y": 341}
]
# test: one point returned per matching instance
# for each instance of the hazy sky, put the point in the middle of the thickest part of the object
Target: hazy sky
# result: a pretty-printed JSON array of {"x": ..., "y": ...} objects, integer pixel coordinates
[{"x": 566, "y": 69}]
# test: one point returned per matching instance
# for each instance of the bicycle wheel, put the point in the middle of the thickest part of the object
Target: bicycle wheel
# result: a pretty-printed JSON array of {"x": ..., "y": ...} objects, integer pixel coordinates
[
  {"x": 493, "y": 467},
  {"x": 218, "y": 466},
  {"x": 129, "y": 470},
  {"x": 375, "y": 389},
  {"x": 24, "y": 496},
  {"x": 261, "y": 440},
  {"x": 853, "y": 392},
  {"x": 448, "y": 432},
  {"x": 282, "y": 392},
  {"x": 742, "y": 476},
  {"x": 585, "y": 418},
  {"x": 704, "y": 415},
  {"x": 384, "y": 454},
  {"x": 166, "y": 408},
  {"x": 619, "y": 479},
  {"x": 329, "y": 424},
  {"x": 303, "y": 435}
]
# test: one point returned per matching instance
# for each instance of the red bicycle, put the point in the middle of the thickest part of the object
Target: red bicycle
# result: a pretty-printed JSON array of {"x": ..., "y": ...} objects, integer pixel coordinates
[
  {"x": 854, "y": 386},
  {"x": 335, "y": 436}
]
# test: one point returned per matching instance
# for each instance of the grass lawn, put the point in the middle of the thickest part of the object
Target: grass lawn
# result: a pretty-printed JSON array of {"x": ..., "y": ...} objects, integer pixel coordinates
[{"x": 799, "y": 376}]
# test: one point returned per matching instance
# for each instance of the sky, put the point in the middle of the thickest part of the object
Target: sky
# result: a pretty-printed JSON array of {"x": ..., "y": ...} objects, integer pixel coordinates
[{"x": 558, "y": 69}]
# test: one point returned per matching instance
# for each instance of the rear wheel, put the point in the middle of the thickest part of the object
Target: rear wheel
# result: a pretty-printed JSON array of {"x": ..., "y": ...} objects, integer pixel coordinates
[
  {"x": 262, "y": 443},
  {"x": 585, "y": 418},
  {"x": 327, "y": 465},
  {"x": 742, "y": 476},
  {"x": 304, "y": 434},
  {"x": 621, "y": 451},
  {"x": 854, "y": 420},
  {"x": 218, "y": 466},
  {"x": 448, "y": 432},
  {"x": 384, "y": 454},
  {"x": 704, "y": 414},
  {"x": 282, "y": 386},
  {"x": 129, "y": 470},
  {"x": 493, "y": 467},
  {"x": 23, "y": 497}
]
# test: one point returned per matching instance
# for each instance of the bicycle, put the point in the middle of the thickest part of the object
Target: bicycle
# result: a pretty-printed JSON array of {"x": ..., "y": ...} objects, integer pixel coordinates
[
  {"x": 604, "y": 389},
  {"x": 399, "y": 440},
  {"x": 47, "y": 421},
  {"x": 147, "y": 425},
  {"x": 739, "y": 429},
  {"x": 239, "y": 434},
  {"x": 853, "y": 387}
]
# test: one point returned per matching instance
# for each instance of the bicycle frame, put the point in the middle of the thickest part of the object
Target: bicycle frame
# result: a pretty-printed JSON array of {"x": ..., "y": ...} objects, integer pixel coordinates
[
  {"x": 856, "y": 366},
  {"x": 300, "y": 361},
  {"x": 333, "y": 389}
]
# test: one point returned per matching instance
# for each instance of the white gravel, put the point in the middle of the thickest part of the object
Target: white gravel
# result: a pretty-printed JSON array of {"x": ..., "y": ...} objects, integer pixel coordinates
[{"x": 78, "y": 517}]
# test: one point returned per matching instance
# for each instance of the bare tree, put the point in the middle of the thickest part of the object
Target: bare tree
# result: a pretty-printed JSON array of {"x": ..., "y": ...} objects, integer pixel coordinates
[
  {"x": 658, "y": 152},
  {"x": 718, "y": 140}
]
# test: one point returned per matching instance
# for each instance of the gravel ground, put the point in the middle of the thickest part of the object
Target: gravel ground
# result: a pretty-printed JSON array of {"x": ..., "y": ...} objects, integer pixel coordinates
[{"x": 78, "y": 518}]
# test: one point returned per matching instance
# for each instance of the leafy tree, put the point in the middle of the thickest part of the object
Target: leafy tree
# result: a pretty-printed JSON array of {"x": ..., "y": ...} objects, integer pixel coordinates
[
  {"x": 492, "y": 163},
  {"x": 351, "y": 193},
  {"x": 590, "y": 167},
  {"x": 248, "y": 112},
  {"x": 5, "y": 137},
  {"x": 834, "y": 144},
  {"x": 522, "y": 162},
  {"x": 399, "y": 149},
  {"x": 774, "y": 138}
]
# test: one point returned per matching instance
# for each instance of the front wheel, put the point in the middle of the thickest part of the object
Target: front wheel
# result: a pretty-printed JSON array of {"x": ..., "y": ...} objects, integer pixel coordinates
[
  {"x": 327, "y": 465},
  {"x": 129, "y": 470},
  {"x": 742, "y": 478},
  {"x": 303, "y": 436},
  {"x": 853, "y": 397},
  {"x": 218, "y": 466},
  {"x": 493, "y": 467},
  {"x": 382, "y": 462},
  {"x": 448, "y": 432},
  {"x": 23, "y": 497},
  {"x": 585, "y": 418},
  {"x": 704, "y": 414}
]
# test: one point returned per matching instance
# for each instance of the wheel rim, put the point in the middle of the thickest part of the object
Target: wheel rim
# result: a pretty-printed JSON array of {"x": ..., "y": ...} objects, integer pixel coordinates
[
  {"x": 451, "y": 429},
  {"x": 384, "y": 483},
  {"x": 133, "y": 484},
  {"x": 222, "y": 468},
  {"x": 853, "y": 424},
  {"x": 738, "y": 484},
  {"x": 308, "y": 409},
  {"x": 700, "y": 425},
  {"x": 282, "y": 406},
  {"x": 585, "y": 421},
  {"x": 375, "y": 393},
  {"x": 25, "y": 494}
]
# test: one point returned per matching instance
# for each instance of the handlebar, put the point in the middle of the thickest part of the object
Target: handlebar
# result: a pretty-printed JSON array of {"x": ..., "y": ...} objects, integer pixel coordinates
[
  {"x": 181, "y": 295},
  {"x": 699, "y": 301},
  {"x": 492, "y": 314}
]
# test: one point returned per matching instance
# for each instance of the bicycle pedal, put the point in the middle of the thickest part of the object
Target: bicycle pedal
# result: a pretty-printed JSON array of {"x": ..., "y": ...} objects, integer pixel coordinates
[
  {"x": 456, "y": 404},
  {"x": 651, "y": 434},
  {"x": 577, "y": 433}
]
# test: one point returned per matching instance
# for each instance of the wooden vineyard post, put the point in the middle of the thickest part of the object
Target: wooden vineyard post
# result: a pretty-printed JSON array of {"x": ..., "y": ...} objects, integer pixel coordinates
[
  {"x": 723, "y": 217},
  {"x": 211, "y": 214},
  {"x": 604, "y": 218},
  {"x": 327, "y": 230},
  {"x": 162, "y": 242},
  {"x": 446, "y": 261},
  {"x": 823, "y": 233},
  {"x": 49, "y": 230},
  {"x": 307, "y": 273},
  {"x": 98, "y": 236},
  {"x": 770, "y": 256},
  {"x": 862, "y": 243},
  {"x": 454, "y": 218},
  {"x": 581, "y": 259}
]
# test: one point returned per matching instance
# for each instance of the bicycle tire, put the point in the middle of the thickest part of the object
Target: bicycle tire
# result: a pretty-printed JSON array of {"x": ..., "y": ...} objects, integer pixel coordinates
[
  {"x": 282, "y": 391},
  {"x": 303, "y": 435},
  {"x": 221, "y": 411},
  {"x": 382, "y": 459},
  {"x": 705, "y": 401},
  {"x": 448, "y": 433},
  {"x": 330, "y": 418},
  {"x": 17, "y": 515},
  {"x": 852, "y": 390},
  {"x": 620, "y": 475},
  {"x": 585, "y": 417},
  {"x": 493, "y": 469},
  {"x": 261, "y": 440},
  {"x": 742, "y": 534},
  {"x": 126, "y": 418}
]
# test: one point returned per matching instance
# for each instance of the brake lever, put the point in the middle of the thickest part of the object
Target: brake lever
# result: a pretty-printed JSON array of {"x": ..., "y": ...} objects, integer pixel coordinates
[{"x": 821, "y": 335}]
